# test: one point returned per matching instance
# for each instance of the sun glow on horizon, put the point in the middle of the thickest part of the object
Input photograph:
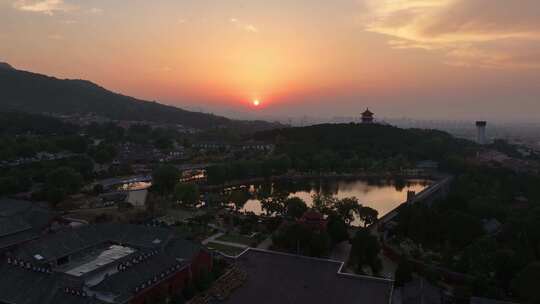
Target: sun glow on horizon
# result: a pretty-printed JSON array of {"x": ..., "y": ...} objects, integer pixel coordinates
[{"x": 290, "y": 58}]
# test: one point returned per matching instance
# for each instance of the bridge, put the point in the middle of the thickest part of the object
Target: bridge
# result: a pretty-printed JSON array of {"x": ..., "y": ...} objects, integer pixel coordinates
[{"x": 427, "y": 196}]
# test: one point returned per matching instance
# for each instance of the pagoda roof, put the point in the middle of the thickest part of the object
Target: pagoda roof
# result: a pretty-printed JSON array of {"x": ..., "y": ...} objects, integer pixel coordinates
[{"x": 367, "y": 112}]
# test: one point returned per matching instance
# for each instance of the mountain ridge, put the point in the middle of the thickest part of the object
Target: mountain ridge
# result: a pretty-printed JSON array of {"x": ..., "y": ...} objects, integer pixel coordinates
[
  {"x": 6, "y": 66},
  {"x": 37, "y": 93}
]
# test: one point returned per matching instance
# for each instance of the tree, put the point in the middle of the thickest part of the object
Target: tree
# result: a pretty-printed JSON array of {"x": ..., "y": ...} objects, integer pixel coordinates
[
  {"x": 163, "y": 143},
  {"x": 346, "y": 208},
  {"x": 506, "y": 265},
  {"x": 165, "y": 178},
  {"x": 323, "y": 203},
  {"x": 403, "y": 273},
  {"x": 461, "y": 228},
  {"x": 299, "y": 239},
  {"x": 337, "y": 229},
  {"x": 203, "y": 280},
  {"x": 319, "y": 244},
  {"x": 65, "y": 178},
  {"x": 264, "y": 191},
  {"x": 526, "y": 283},
  {"x": 213, "y": 199},
  {"x": 55, "y": 195},
  {"x": 189, "y": 291},
  {"x": 292, "y": 237},
  {"x": 239, "y": 198},
  {"x": 98, "y": 189},
  {"x": 81, "y": 164},
  {"x": 75, "y": 144},
  {"x": 187, "y": 194},
  {"x": 177, "y": 298},
  {"x": 275, "y": 205},
  {"x": 272, "y": 207},
  {"x": 296, "y": 207},
  {"x": 217, "y": 174},
  {"x": 368, "y": 215},
  {"x": 365, "y": 250},
  {"x": 103, "y": 153}
]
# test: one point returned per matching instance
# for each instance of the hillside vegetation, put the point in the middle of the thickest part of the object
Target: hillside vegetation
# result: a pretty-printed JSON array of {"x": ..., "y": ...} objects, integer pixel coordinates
[
  {"x": 36, "y": 93},
  {"x": 348, "y": 144}
]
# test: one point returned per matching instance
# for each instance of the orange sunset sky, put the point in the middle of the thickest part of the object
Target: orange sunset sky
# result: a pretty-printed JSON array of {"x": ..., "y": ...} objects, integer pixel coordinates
[{"x": 441, "y": 59}]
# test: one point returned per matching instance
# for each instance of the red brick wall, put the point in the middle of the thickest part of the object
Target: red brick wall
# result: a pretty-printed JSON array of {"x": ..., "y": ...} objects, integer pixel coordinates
[
  {"x": 175, "y": 283},
  {"x": 203, "y": 261}
]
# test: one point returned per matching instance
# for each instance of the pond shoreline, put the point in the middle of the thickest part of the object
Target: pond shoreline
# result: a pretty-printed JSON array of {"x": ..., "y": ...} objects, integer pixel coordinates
[
  {"x": 382, "y": 193},
  {"x": 301, "y": 177}
]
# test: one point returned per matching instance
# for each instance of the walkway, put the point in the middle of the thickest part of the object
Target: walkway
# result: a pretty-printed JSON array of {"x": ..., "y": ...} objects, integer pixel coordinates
[
  {"x": 266, "y": 244},
  {"x": 388, "y": 266},
  {"x": 214, "y": 239},
  {"x": 341, "y": 251}
]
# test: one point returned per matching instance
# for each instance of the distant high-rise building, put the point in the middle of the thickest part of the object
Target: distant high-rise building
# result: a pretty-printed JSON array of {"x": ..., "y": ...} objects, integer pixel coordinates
[
  {"x": 367, "y": 117},
  {"x": 481, "y": 132}
]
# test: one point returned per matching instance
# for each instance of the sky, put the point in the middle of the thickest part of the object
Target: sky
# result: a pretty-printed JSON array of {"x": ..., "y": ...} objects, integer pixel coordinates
[{"x": 424, "y": 59}]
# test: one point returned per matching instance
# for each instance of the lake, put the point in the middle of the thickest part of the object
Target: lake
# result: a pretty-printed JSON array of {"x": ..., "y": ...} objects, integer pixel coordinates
[{"x": 381, "y": 195}]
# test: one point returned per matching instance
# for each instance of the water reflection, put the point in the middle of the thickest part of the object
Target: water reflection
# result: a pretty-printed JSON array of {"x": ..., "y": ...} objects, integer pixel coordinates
[
  {"x": 381, "y": 195},
  {"x": 137, "y": 192},
  {"x": 134, "y": 186}
]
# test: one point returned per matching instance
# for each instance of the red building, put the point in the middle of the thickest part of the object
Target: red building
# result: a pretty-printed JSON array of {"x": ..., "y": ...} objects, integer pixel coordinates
[
  {"x": 106, "y": 263},
  {"x": 314, "y": 220}
]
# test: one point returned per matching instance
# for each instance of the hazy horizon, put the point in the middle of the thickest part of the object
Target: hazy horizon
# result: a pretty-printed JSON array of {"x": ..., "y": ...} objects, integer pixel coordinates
[{"x": 419, "y": 59}]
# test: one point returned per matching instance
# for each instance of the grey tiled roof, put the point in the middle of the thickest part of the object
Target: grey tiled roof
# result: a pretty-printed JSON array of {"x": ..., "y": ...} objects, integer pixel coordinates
[
  {"x": 420, "y": 291},
  {"x": 10, "y": 207},
  {"x": 54, "y": 246},
  {"x": 124, "y": 283},
  {"x": 476, "y": 300},
  {"x": 287, "y": 279},
  {"x": 65, "y": 298},
  {"x": 21, "y": 286},
  {"x": 12, "y": 225},
  {"x": 21, "y": 221},
  {"x": 168, "y": 255},
  {"x": 183, "y": 249}
]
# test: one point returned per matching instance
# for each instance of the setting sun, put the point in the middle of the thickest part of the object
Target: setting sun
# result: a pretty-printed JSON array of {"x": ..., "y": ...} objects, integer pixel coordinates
[{"x": 256, "y": 102}]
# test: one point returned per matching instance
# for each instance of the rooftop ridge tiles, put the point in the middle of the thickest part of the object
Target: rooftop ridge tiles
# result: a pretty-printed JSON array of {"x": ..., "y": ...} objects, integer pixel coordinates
[{"x": 340, "y": 263}]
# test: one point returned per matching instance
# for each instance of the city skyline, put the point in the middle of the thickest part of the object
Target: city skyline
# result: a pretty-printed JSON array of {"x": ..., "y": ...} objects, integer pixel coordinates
[{"x": 428, "y": 59}]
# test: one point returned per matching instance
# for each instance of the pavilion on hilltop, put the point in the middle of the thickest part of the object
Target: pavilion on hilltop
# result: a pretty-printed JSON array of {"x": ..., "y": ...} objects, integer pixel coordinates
[{"x": 367, "y": 116}]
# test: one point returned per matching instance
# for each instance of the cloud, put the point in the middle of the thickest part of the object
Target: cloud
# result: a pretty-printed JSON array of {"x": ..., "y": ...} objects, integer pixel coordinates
[
  {"x": 68, "y": 21},
  {"x": 96, "y": 11},
  {"x": 468, "y": 32},
  {"x": 244, "y": 26},
  {"x": 55, "y": 37},
  {"x": 251, "y": 28},
  {"x": 49, "y": 7}
]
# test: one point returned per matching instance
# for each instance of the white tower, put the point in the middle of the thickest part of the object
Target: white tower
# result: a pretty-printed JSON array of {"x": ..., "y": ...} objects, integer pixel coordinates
[{"x": 481, "y": 132}]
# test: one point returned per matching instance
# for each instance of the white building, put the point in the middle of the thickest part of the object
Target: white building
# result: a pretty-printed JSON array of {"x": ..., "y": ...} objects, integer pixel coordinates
[{"x": 481, "y": 132}]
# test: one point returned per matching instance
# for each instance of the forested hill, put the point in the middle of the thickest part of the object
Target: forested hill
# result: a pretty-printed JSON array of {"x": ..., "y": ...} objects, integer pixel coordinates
[
  {"x": 373, "y": 141},
  {"x": 17, "y": 123},
  {"x": 36, "y": 93}
]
